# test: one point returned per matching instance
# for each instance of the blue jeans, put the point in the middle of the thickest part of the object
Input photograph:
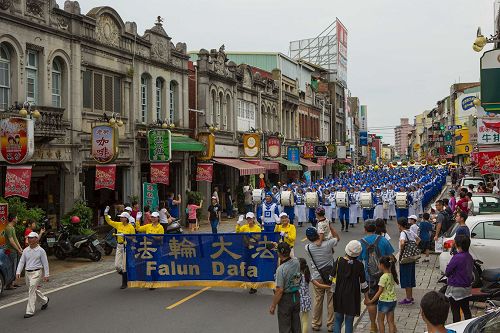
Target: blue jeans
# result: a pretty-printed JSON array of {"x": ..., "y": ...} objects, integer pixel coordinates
[
  {"x": 339, "y": 319},
  {"x": 401, "y": 212},
  {"x": 214, "y": 224},
  {"x": 367, "y": 214},
  {"x": 344, "y": 216}
]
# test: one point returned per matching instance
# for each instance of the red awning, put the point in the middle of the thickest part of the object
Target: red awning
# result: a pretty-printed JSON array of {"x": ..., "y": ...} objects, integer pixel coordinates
[
  {"x": 270, "y": 166},
  {"x": 311, "y": 166},
  {"x": 322, "y": 160},
  {"x": 244, "y": 167}
]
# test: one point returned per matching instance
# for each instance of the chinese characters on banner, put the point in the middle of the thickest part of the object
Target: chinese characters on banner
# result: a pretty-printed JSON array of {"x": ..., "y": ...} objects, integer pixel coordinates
[
  {"x": 204, "y": 172},
  {"x": 104, "y": 143},
  {"x": 17, "y": 139},
  {"x": 17, "y": 181},
  {"x": 160, "y": 145},
  {"x": 251, "y": 144},
  {"x": 150, "y": 196},
  {"x": 224, "y": 260},
  {"x": 489, "y": 162},
  {"x": 105, "y": 176},
  {"x": 4, "y": 213},
  {"x": 273, "y": 147},
  {"x": 160, "y": 173},
  {"x": 308, "y": 150},
  {"x": 488, "y": 131},
  {"x": 293, "y": 154}
]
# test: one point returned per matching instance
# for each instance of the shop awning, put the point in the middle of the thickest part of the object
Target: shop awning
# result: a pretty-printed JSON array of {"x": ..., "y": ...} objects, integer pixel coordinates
[
  {"x": 311, "y": 166},
  {"x": 244, "y": 167},
  {"x": 268, "y": 165},
  {"x": 185, "y": 143},
  {"x": 321, "y": 160},
  {"x": 290, "y": 166},
  {"x": 345, "y": 160}
]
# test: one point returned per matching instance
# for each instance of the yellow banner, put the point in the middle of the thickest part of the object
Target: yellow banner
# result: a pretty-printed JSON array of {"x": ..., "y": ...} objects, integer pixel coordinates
[
  {"x": 463, "y": 149},
  {"x": 462, "y": 137}
]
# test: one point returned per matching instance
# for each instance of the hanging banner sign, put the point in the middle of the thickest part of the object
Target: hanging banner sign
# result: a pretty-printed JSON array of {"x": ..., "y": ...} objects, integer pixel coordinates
[
  {"x": 232, "y": 260},
  {"x": 105, "y": 176},
  {"x": 273, "y": 147},
  {"x": 17, "y": 139},
  {"x": 308, "y": 151},
  {"x": 489, "y": 162},
  {"x": 160, "y": 173},
  {"x": 104, "y": 144},
  {"x": 332, "y": 151},
  {"x": 251, "y": 144},
  {"x": 320, "y": 150},
  {"x": 208, "y": 139},
  {"x": 293, "y": 154},
  {"x": 488, "y": 131},
  {"x": 17, "y": 181},
  {"x": 204, "y": 172},
  {"x": 150, "y": 196},
  {"x": 4, "y": 213},
  {"x": 160, "y": 145}
]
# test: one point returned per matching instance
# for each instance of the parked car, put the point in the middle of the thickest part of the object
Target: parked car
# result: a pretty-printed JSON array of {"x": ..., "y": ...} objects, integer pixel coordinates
[
  {"x": 486, "y": 203},
  {"x": 7, "y": 274},
  {"x": 487, "y": 323},
  {"x": 466, "y": 181},
  {"x": 485, "y": 241}
]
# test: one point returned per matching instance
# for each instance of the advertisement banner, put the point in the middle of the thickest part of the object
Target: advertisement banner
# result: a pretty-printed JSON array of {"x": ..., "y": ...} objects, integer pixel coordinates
[
  {"x": 17, "y": 181},
  {"x": 464, "y": 106},
  {"x": 363, "y": 119},
  {"x": 462, "y": 137},
  {"x": 490, "y": 76},
  {"x": 307, "y": 176},
  {"x": 4, "y": 213},
  {"x": 332, "y": 151},
  {"x": 208, "y": 139},
  {"x": 105, "y": 176},
  {"x": 341, "y": 33},
  {"x": 489, "y": 162},
  {"x": 230, "y": 260},
  {"x": 341, "y": 152},
  {"x": 363, "y": 138},
  {"x": 488, "y": 131},
  {"x": 104, "y": 140},
  {"x": 308, "y": 150},
  {"x": 273, "y": 147},
  {"x": 150, "y": 196},
  {"x": 463, "y": 149},
  {"x": 204, "y": 172},
  {"x": 160, "y": 173},
  {"x": 160, "y": 145},
  {"x": 320, "y": 150},
  {"x": 251, "y": 144},
  {"x": 17, "y": 139},
  {"x": 293, "y": 154}
]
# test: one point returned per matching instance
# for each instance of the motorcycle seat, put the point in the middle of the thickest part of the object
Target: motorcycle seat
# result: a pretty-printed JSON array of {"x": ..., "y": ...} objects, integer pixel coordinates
[
  {"x": 78, "y": 238},
  {"x": 491, "y": 275}
]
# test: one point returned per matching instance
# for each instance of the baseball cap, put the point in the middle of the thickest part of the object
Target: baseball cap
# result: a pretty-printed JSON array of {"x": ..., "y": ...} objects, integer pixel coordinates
[
  {"x": 250, "y": 215},
  {"x": 128, "y": 208},
  {"x": 155, "y": 214},
  {"x": 124, "y": 214},
  {"x": 283, "y": 214},
  {"x": 414, "y": 217},
  {"x": 311, "y": 232},
  {"x": 353, "y": 249},
  {"x": 33, "y": 235}
]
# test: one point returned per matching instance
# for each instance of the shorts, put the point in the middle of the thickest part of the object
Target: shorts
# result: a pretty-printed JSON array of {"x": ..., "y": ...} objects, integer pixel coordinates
[
  {"x": 425, "y": 245},
  {"x": 191, "y": 221},
  {"x": 386, "y": 307}
]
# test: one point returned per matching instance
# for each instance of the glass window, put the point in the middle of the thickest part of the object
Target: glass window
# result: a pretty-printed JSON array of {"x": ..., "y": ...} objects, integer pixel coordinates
[
  {"x": 4, "y": 77},
  {"x": 87, "y": 89},
  {"x": 144, "y": 98},
  {"x": 492, "y": 230},
  {"x": 159, "y": 98},
  {"x": 56, "y": 83},
  {"x": 173, "y": 101},
  {"x": 478, "y": 231},
  {"x": 32, "y": 76},
  {"x": 489, "y": 199}
]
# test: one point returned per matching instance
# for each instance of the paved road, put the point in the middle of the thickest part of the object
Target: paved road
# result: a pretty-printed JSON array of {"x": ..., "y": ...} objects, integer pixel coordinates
[{"x": 100, "y": 306}]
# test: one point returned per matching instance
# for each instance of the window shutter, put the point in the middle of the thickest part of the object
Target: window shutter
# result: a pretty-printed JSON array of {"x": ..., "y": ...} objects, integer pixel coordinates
[
  {"x": 98, "y": 91},
  {"x": 117, "y": 96},
  {"x": 87, "y": 89},
  {"x": 108, "y": 93}
]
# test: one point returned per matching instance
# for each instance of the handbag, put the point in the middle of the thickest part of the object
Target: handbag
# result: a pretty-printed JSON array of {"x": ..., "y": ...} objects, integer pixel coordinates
[
  {"x": 325, "y": 272},
  {"x": 410, "y": 252}
]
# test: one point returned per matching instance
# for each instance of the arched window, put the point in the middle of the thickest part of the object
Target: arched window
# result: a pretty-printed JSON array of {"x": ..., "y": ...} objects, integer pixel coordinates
[
  {"x": 4, "y": 77},
  {"x": 144, "y": 98},
  {"x": 159, "y": 98},
  {"x": 56, "y": 83},
  {"x": 270, "y": 120},
  {"x": 173, "y": 100},
  {"x": 221, "y": 116},
  {"x": 32, "y": 76}
]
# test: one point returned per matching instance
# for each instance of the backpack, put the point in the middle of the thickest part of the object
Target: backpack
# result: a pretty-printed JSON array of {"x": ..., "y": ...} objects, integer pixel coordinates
[
  {"x": 374, "y": 255},
  {"x": 447, "y": 222}
]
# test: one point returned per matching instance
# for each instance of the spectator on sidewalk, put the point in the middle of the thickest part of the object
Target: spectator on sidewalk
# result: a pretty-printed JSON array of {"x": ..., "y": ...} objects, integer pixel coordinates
[
  {"x": 435, "y": 308},
  {"x": 460, "y": 275},
  {"x": 413, "y": 224},
  {"x": 192, "y": 218},
  {"x": 30, "y": 227},
  {"x": 443, "y": 220},
  {"x": 214, "y": 214},
  {"x": 381, "y": 229},
  {"x": 425, "y": 233},
  {"x": 470, "y": 204},
  {"x": 135, "y": 210},
  {"x": 248, "y": 198},
  {"x": 462, "y": 203},
  {"x": 147, "y": 215},
  {"x": 350, "y": 282},
  {"x": 173, "y": 205},
  {"x": 406, "y": 271},
  {"x": 462, "y": 229},
  {"x": 12, "y": 245},
  {"x": 305, "y": 297},
  {"x": 452, "y": 201},
  {"x": 373, "y": 248},
  {"x": 229, "y": 203}
]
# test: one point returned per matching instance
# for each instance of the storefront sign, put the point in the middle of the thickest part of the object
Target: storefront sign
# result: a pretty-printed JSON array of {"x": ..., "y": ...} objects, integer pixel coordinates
[
  {"x": 160, "y": 173},
  {"x": 463, "y": 149},
  {"x": 150, "y": 196},
  {"x": 489, "y": 162},
  {"x": 208, "y": 139},
  {"x": 308, "y": 151},
  {"x": 4, "y": 213},
  {"x": 320, "y": 150},
  {"x": 251, "y": 144},
  {"x": 17, "y": 139},
  {"x": 160, "y": 145},
  {"x": 293, "y": 154},
  {"x": 490, "y": 76},
  {"x": 341, "y": 152},
  {"x": 17, "y": 181},
  {"x": 204, "y": 172},
  {"x": 273, "y": 147},
  {"x": 104, "y": 143},
  {"x": 488, "y": 131},
  {"x": 105, "y": 176},
  {"x": 332, "y": 151}
]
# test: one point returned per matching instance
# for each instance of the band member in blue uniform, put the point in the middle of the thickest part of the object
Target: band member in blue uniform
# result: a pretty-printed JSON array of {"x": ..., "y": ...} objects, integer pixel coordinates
[
  {"x": 267, "y": 213},
  {"x": 344, "y": 212},
  {"x": 368, "y": 211},
  {"x": 300, "y": 207},
  {"x": 403, "y": 212},
  {"x": 379, "y": 205},
  {"x": 290, "y": 210}
]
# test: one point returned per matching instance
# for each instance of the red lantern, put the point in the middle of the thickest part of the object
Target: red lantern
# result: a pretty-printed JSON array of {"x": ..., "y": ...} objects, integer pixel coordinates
[{"x": 75, "y": 219}]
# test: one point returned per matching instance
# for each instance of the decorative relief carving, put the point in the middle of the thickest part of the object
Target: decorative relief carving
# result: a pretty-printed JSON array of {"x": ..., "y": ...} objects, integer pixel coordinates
[
  {"x": 159, "y": 51},
  {"x": 5, "y": 4},
  {"x": 35, "y": 8},
  {"x": 107, "y": 31}
]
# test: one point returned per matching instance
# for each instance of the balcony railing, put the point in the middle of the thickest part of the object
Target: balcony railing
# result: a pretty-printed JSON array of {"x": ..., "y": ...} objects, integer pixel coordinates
[{"x": 49, "y": 126}]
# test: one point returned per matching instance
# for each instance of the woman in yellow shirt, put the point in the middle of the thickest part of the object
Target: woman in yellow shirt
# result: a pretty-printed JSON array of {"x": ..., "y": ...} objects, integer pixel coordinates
[
  {"x": 251, "y": 226},
  {"x": 154, "y": 228},
  {"x": 287, "y": 230},
  {"x": 122, "y": 228}
]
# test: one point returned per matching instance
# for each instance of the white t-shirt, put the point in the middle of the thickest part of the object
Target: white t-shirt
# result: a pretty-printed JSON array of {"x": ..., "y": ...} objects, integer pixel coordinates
[
  {"x": 163, "y": 215},
  {"x": 411, "y": 236},
  {"x": 415, "y": 229},
  {"x": 495, "y": 189}
]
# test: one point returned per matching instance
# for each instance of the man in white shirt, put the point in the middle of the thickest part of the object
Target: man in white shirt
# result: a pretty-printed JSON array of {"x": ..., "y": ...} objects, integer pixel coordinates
[{"x": 35, "y": 260}]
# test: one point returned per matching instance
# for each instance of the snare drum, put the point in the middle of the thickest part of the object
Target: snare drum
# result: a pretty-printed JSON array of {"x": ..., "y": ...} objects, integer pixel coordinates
[
  {"x": 366, "y": 199},
  {"x": 342, "y": 199},
  {"x": 312, "y": 199},
  {"x": 287, "y": 199},
  {"x": 385, "y": 205},
  {"x": 401, "y": 200},
  {"x": 257, "y": 196}
]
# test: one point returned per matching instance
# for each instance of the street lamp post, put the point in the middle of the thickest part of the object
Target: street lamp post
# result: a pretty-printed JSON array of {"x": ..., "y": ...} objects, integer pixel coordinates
[{"x": 27, "y": 109}]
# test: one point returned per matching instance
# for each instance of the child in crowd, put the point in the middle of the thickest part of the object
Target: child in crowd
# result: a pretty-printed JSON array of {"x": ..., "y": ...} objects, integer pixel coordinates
[
  {"x": 386, "y": 294},
  {"x": 435, "y": 307},
  {"x": 192, "y": 219},
  {"x": 425, "y": 233},
  {"x": 305, "y": 297}
]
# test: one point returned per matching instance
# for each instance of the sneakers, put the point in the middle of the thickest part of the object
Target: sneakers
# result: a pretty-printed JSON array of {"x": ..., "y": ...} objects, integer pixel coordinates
[
  {"x": 28, "y": 315},
  {"x": 46, "y": 304},
  {"x": 407, "y": 301}
]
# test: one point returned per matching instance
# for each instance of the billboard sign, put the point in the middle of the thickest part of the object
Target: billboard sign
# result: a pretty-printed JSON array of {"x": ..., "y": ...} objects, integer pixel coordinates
[{"x": 17, "y": 139}]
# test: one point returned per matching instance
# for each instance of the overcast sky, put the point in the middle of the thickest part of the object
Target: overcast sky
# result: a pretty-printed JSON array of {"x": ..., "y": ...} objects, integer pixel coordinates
[{"x": 403, "y": 55}]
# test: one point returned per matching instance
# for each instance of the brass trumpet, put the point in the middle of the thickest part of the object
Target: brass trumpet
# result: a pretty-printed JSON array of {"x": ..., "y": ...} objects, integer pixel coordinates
[{"x": 423, "y": 162}]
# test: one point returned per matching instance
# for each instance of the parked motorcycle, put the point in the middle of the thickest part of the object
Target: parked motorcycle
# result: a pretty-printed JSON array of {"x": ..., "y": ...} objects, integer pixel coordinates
[
  {"x": 109, "y": 242},
  {"x": 84, "y": 246},
  {"x": 48, "y": 238},
  {"x": 173, "y": 227}
]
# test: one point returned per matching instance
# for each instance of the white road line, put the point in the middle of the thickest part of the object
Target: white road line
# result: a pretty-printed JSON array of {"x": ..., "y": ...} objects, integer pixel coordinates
[{"x": 60, "y": 288}]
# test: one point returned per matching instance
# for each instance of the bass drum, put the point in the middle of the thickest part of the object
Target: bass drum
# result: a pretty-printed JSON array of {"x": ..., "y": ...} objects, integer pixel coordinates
[
  {"x": 385, "y": 205},
  {"x": 287, "y": 198},
  {"x": 312, "y": 200},
  {"x": 342, "y": 199},
  {"x": 401, "y": 201},
  {"x": 366, "y": 199},
  {"x": 257, "y": 196}
]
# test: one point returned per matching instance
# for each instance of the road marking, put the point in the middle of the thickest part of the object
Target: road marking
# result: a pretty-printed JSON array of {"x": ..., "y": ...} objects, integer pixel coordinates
[
  {"x": 304, "y": 239},
  {"x": 187, "y": 298},
  {"x": 59, "y": 288}
]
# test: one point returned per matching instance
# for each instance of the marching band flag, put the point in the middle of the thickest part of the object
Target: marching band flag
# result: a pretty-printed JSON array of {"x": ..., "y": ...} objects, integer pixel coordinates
[
  {"x": 160, "y": 173},
  {"x": 17, "y": 181},
  {"x": 105, "y": 176}
]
